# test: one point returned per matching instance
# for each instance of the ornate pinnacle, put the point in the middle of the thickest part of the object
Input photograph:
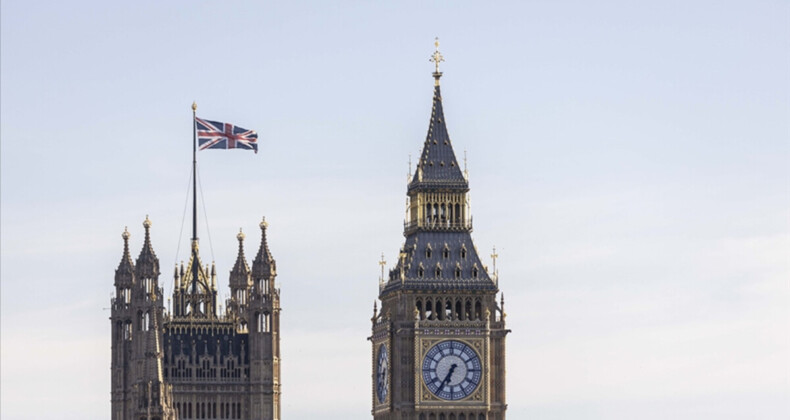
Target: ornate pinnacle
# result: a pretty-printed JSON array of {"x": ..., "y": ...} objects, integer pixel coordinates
[
  {"x": 125, "y": 235},
  {"x": 240, "y": 270},
  {"x": 494, "y": 256},
  {"x": 147, "y": 264},
  {"x": 263, "y": 265},
  {"x": 437, "y": 58},
  {"x": 382, "y": 263}
]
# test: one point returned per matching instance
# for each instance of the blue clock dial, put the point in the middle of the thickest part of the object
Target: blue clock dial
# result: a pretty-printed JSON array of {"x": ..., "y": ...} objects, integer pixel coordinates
[
  {"x": 451, "y": 370},
  {"x": 382, "y": 375}
]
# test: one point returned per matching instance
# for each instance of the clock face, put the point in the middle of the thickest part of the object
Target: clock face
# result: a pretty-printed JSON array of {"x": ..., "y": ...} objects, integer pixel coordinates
[
  {"x": 382, "y": 375},
  {"x": 451, "y": 370}
]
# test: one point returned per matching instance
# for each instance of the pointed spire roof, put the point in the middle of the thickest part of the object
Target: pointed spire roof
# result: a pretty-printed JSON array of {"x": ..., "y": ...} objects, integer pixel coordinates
[
  {"x": 439, "y": 256},
  {"x": 264, "y": 265},
  {"x": 147, "y": 262},
  {"x": 438, "y": 166},
  {"x": 125, "y": 271},
  {"x": 240, "y": 274}
]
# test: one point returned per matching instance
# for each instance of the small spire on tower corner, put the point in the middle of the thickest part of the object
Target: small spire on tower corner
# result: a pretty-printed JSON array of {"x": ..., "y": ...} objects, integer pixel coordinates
[
  {"x": 437, "y": 58},
  {"x": 125, "y": 270},
  {"x": 263, "y": 266}
]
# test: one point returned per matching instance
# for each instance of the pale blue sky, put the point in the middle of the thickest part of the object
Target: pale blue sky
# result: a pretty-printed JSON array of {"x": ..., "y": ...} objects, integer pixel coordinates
[{"x": 628, "y": 159}]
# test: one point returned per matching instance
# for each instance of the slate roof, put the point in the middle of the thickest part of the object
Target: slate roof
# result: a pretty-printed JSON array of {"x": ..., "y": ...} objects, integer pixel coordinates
[
  {"x": 453, "y": 253},
  {"x": 438, "y": 166}
]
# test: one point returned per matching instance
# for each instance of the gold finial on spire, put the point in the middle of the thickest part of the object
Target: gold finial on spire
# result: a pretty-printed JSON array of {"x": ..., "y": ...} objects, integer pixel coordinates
[
  {"x": 383, "y": 264},
  {"x": 437, "y": 58},
  {"x": 494, "y": 256},
  {"x": 264, "y": 223},
  {"x": 241, "y": 235},
  {"x": 194, "y": 106}
]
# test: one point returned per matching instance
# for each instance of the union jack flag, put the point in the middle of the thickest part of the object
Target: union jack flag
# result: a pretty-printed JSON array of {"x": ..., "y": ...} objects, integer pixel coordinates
[{"x": 219, "y": 135}]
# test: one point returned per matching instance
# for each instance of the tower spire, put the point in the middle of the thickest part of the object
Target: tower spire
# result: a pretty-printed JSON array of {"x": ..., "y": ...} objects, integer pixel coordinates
[
  {"x": 438, "y": 164},
  {"x": 147, "y": 263},
  {"x": 241, "y": 271},
  {"x": 125, "y": 271},
  {"x": 264, "y": 265}
]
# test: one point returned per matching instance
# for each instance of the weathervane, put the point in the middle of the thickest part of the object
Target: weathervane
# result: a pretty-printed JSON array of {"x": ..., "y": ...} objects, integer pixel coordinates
[{"x": 437, "y": 58}]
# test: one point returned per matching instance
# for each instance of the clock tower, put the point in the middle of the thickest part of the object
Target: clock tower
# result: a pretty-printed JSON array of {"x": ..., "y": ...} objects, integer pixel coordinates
[{"x": 438, "y": 342}]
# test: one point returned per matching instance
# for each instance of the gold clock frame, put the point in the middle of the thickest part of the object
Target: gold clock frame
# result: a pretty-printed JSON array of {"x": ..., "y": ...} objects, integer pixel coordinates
[{"x": 425, "y": 398}]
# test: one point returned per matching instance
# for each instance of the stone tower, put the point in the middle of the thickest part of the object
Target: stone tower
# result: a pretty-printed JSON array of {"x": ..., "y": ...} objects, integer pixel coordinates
[
  {"x": 439, "y": 340},
  {"x": 138, "y": 387},
  {"x": 214, "y": 364}
]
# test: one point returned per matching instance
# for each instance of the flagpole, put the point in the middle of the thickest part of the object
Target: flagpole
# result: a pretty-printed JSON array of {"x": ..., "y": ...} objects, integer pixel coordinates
[{"x": 194, "y": 199}]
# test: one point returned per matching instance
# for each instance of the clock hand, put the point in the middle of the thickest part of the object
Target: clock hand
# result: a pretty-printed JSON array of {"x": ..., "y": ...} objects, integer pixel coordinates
[{"x": 447, "y": 378}]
